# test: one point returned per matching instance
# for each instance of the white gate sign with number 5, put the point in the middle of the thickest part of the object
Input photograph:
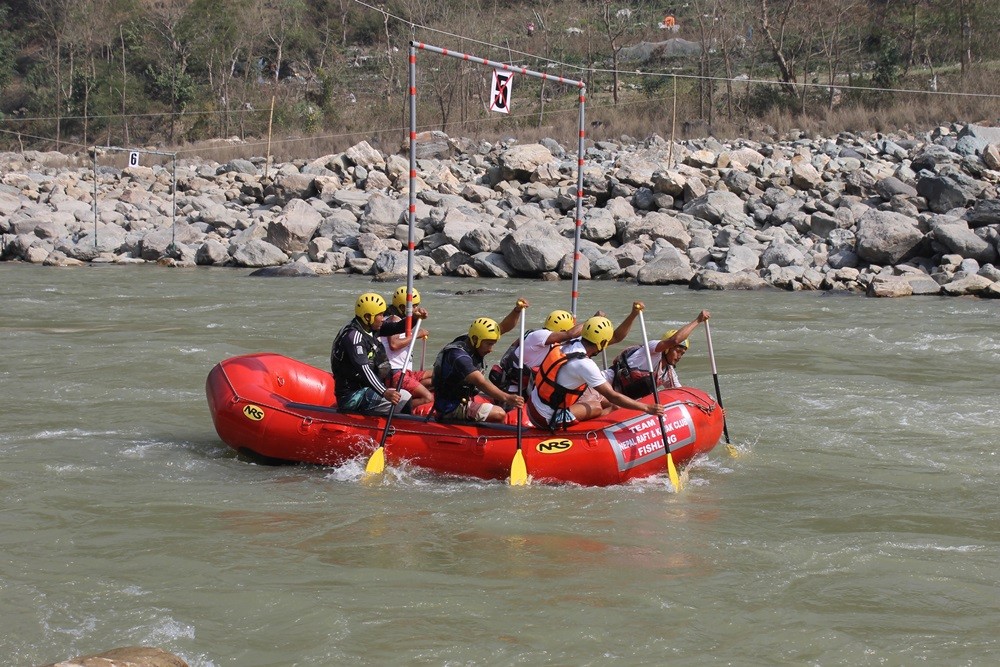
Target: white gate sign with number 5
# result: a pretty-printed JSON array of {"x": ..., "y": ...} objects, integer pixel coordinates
[{"x": 133, "y": 159}]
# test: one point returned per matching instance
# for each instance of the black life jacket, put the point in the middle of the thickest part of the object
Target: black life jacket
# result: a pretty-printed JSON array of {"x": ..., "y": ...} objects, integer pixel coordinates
[
  {"x": 633, "y": 382},
  {"x": 349, "y": 378},
  {"x": 450, "y": 390},
  {"x": 506, "y": 372}
]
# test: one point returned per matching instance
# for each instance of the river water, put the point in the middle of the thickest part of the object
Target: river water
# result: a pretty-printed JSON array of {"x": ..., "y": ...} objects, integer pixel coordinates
[{"x": 859, "y": 524}]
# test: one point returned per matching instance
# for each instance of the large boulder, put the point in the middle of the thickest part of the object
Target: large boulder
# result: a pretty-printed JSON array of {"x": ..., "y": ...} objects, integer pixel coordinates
[
  {"x": 985, "y": 212},
  {"x": 381, "y": 215},
  {"x": 491, "y": 265},
  {"x": 782, "y": 254},
  {"x": 534, "y": 248},
  {"x": 718, "y": 207},
  {"x": 294, "y": 186},
  {"x": 238, "y": 166},
  {"x": 364, "y": 155},
  {"x": 973, "y": 139},
  {"x": 669, "y": 266},
  {"x": 636, "y": 168},
  {"x": 212, "y": 253},
  {"x": 159, "y": 242},
  {"x": 658, "y": 226},
  {"x": 955, "y": 235},
  {"x": 292, "y": 230},
  {"x": 943, "y": 193},
  {"x": 889, "y": 286},
  {"x": 742, "y": 258},
  {"x": 968, "y": 286},
  {"x": 519, "y": 162},
  {"x": 890, "y": 186},
  {"x": 885, "y": 237},
  {"x": 599, "y": 225},
  {"x": 108, "y": 238},
  {"x": 258, "y": 252},
  {"x": 9, "y": 203},
  {"x": 716, "y": 280}
]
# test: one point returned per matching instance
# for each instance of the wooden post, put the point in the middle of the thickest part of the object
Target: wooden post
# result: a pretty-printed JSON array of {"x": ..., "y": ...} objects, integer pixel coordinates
[
  {"x": 270, "y": 120},
  {"x": 673, "y": 126}
]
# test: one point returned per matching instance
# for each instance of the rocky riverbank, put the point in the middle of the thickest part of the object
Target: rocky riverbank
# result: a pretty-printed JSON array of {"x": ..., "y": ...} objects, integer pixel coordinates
[{"x": 883, "y": 215}]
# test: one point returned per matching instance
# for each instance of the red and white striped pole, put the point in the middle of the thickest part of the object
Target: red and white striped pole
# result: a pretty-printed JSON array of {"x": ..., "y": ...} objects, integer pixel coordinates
[{"x": 575, "y": 290}]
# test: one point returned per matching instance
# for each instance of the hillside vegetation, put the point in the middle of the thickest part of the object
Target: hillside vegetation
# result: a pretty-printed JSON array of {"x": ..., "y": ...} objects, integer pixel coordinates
[{"x": 318, "y": 75}]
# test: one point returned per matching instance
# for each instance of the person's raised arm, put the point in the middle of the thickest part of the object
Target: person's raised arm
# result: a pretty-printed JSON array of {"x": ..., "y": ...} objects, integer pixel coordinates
[
  {"x": 399, "y": 326},
  {"x": 621, "y": 331},
  {"x": 682, "y": 334},
  {"x": 510, "y": 321}
]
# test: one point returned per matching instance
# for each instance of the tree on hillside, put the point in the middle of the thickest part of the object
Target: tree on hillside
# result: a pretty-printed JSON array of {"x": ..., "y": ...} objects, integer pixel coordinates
[
  {"x": 283, "y": 25},
  {"x": 52, "y": 21},
  {"x": 92, "y": 35},
  {"x": 838, "y": 24},
  {"x": 222, "y": 50},
  {"x": 7, "y": 49},
  {"x": 773, "y": 18},
  {"x": 171, "y": 36},
  {"x": 617, "y": 24}
]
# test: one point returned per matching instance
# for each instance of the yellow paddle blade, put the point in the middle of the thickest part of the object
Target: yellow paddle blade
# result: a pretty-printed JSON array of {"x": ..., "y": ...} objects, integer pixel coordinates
[
  {"x": 518, "y": 471},
  {"x": 733, "y": 451},
  {"x": 672, "y": 472},
  {"x": 376, "y": 464}
]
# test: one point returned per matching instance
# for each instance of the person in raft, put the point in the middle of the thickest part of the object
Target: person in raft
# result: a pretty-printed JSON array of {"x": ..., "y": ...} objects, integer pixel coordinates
[
  {"x": 565, "y": 374},
  {"x": 630, "y": 373},
  {"x": 462, "y": 392},
  {"x": 417, "y": 383},
  {"x": 559, "y": 327},
  {"x": 359, "y": 362}
]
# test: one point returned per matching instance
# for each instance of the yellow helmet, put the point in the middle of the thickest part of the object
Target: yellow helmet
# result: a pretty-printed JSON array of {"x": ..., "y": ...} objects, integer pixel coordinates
[
  {"x": 559, "y": 320},
  {"x": 598, "y": 330},
  {"x": 399, "y": 297},
  {"x": 368, "y": 306},
  {"x": 483, "y": 329},
  {"x": 684, "y": 343}
]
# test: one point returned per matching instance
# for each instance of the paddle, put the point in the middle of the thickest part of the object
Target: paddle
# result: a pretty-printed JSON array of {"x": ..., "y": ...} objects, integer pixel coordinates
[
  {"x": 376, "y": 464},
  {"x": 518, "y": 470},
  {"x": 718, "y": 393},
  {"x": 423, "y": 352},
  {"x": 671, "y": 468}
]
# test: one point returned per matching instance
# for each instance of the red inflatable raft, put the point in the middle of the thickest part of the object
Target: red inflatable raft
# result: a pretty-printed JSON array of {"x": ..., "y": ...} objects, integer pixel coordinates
[{"x": 279, "y": 410}]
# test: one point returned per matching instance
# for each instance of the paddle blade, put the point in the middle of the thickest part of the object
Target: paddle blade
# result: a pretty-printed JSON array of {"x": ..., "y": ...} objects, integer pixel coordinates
[
  {"x": 672, "y": 472},
  {"x": 518, "y": 471},
  {"x": 376, "y": 464}
]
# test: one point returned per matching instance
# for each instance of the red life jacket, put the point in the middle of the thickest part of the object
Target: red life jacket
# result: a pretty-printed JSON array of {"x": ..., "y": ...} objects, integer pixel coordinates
[{"x": 553, "y": 394}]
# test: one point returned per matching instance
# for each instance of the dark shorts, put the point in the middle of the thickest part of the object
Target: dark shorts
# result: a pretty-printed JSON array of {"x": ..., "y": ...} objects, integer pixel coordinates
[{"x": 368, "y": 402}]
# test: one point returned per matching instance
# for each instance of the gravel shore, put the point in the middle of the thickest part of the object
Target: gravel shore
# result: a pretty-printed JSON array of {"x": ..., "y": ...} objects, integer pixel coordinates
[{"x": 876, "y": 214}]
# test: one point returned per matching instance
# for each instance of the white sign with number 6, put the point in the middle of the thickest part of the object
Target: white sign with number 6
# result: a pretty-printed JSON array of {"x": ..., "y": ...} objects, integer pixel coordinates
[{"x": 133, "y": 159}]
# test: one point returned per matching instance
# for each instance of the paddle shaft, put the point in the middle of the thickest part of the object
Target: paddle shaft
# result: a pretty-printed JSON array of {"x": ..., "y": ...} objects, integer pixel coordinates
[
  {"x": 399, "y": 384},
  {"x": 520, "y": 379},
  {"x": 715, "y": 377},
  {"x": 652, "y": 376}
]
